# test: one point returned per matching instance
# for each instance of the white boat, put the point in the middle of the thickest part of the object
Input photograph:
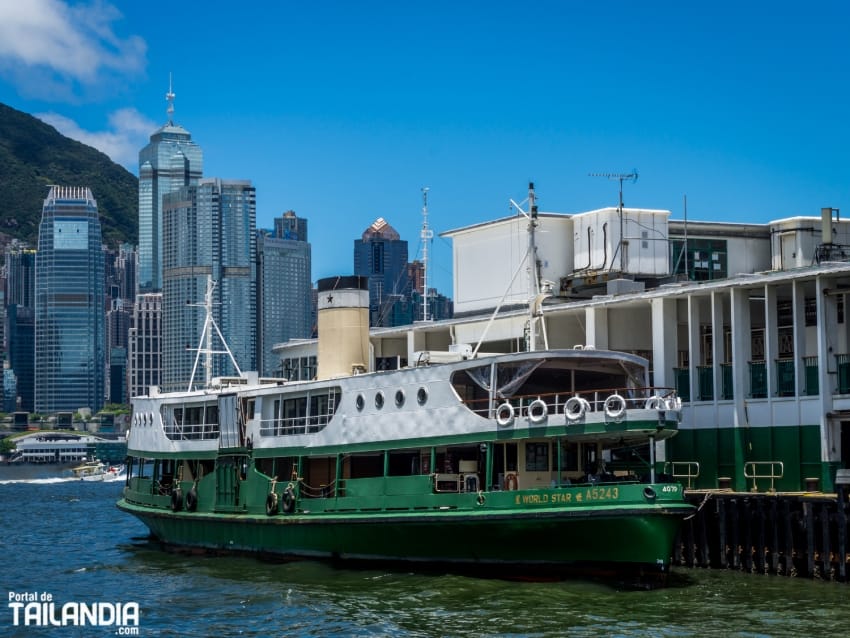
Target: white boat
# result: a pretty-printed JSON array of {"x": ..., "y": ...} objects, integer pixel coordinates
[{"x": 97, "y": 471}]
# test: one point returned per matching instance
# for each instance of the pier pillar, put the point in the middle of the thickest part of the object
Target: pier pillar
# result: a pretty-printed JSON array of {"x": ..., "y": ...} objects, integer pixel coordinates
[
  {"x": 741, "y": 353},
  {"x": 694, "y": 359},
  {"x": 827, "y": 319},
  {"x": 596, "y": 320}
]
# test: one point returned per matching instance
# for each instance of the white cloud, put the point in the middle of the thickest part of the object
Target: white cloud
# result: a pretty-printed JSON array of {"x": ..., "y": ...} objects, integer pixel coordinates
[
  {"x": 128, "y": 131},
  {"x": 48, "y": 47}
]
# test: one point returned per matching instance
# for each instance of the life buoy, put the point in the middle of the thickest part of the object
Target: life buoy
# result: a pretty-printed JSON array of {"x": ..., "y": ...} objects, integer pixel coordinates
[
  {"x": 192, "y": 500},
  {"x": 655, "y": 402},
  {"x": 538, "y": 411},
  {"x": 271, "y": 504},
  {"x": 511, "y": 482},
  {"x": 505, "y": 415},
  {"x": 288, "y": 500},
  {"x": 673, "y": 403},
  {"x": 176, "y": 500},
  {"x": 481, "y": 499},
  {"x": 575, "y": 408},
  {"x": 615, "y": 406}
]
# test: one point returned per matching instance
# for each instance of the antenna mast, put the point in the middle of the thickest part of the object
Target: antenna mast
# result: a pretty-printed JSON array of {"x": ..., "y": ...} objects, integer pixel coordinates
[
  {"x": 619, "y": 177},
  {"x": 206, "y": 339},
  {"x": 425, "y": 234},
  {"x": 170, "y": 98}
]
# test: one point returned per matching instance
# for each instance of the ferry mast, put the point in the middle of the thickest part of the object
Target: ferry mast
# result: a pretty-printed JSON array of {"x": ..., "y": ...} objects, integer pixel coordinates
[{"x": 426, "y": 234}]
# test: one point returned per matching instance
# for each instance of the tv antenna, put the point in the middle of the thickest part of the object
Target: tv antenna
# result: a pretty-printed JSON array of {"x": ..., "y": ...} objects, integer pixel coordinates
[{"x": 620, "y": 177}]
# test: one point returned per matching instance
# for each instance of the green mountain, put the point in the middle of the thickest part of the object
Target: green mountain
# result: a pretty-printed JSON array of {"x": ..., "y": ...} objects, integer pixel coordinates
[{"x": 34, "y": 155}]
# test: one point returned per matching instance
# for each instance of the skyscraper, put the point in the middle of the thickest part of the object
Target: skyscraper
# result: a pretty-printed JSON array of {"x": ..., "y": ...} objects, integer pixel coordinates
[
  {"x": 284, "y": 299},
  {"x": 381, "y": 255},
  {"x": 69, "y": 304},
  {"x": 209, "y": 230},
  {"x": 170, "y": 161},
  {"x": 144, "y": 344}
]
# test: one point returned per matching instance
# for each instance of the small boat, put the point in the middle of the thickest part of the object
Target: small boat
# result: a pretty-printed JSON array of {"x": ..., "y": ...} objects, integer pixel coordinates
[
  {"x": 95, "y": 470},
  {"x": 537, "y": 463}
]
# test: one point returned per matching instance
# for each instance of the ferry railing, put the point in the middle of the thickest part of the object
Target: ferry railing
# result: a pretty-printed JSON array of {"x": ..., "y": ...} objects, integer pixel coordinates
[
  {"x": 191, "y": 432},
  {"x": 756, "y": 470},
  {"x": 683, "y": 470}
]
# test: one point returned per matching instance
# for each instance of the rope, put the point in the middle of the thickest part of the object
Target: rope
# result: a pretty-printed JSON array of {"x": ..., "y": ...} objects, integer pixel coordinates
[{"x": 701, "y": 505}]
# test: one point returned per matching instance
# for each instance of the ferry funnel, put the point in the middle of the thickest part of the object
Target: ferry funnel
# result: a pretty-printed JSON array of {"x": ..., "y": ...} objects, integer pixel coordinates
[{"x": 343, "y": 317}]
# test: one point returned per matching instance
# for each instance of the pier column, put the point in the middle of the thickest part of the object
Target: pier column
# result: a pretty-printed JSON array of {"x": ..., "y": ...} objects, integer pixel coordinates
[
  {"x": 741, "y": 353},
  {"x": 717, "y": 349},
  {"x": 596, "y": 332},
  {"x": 827, "y": 320},
  {"x": 771, "y": 341},
  {"x": 798, "y": 316},
  {"x": 694, "y": 359},
  {"x": 663, "y": 341}
]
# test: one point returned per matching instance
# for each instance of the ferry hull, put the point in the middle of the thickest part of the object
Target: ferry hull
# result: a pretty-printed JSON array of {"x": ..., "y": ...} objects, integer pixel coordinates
[{"x": 520, "y": 542}]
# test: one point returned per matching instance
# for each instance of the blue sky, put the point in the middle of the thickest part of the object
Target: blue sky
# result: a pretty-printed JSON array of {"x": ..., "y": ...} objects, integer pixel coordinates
[{"x": 343, "y": 111}]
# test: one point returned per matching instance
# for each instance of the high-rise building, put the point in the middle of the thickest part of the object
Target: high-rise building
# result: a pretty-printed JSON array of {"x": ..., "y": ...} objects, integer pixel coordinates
[
  {"x": 117, "y": 337},
  {"x": 169, "y": 162},
  {"x": 209, "y": 230},
  {"x": 20, "y": 334},
  {"x": 284, "y": 290},
  {"x": 144, "y": 344},
  {"x": 69, "y": 304},
  {"x": 20, "y": 274},
  {"x": 381, "y": 255}
]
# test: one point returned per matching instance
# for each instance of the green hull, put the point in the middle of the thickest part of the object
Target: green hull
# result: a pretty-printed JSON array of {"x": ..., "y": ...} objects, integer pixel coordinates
[{"x": 536, "y": 538}]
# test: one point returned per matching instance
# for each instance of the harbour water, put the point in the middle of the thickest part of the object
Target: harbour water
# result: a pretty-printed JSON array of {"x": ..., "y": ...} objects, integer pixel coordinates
[{"x": 65, "y": 538}]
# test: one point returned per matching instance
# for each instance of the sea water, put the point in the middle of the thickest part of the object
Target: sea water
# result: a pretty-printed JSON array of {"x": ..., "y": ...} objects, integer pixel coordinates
[{"x": 64, "y": 539}]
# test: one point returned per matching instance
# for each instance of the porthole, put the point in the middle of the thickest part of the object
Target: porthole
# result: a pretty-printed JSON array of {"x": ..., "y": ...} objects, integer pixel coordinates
[
  {"x": 379, "y": 400},
  {"x": 399, "y": 398},
  {"x": 422, "y": 396},
  {"x": 359, "y": 402}
]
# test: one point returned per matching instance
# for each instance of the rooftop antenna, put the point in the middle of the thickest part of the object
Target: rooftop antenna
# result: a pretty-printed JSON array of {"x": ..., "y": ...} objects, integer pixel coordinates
[
  {"x": 621, "y": 177},
  {"x": 425, "y": 234},
  {"x": 170, "y": 98},
  {"x": 206, "y": 339}
]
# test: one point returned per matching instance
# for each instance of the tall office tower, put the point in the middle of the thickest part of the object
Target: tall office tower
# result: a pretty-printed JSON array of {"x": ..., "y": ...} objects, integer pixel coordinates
[
  {"x": 208, "y": 231},
  {"x": 284, "y": 290},
  {"x": 20, "y": 335},
  {"x": 120, "y": 268},
  {"x": 20, "y": 274},
  {"x": 117, "y": 337},
  {"x": 169, "y": 162},
  {"x": 381, "y": 255},
  {"x": 69, "y": 304},
  {"x": 144, "y": 344}
]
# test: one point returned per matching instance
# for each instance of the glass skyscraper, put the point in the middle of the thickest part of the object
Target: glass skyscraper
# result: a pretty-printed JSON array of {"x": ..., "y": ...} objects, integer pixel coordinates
[
  {"x": 381, "y": 255},
  {"x": 169, "y": 162},
  {"x": 69, "y": 304},
  {"x": 284, "y": 299},
  {"x": 209, "y": 230}
]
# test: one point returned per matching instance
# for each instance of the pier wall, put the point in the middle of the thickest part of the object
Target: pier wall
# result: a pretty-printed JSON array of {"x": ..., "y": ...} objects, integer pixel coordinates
[{"x": 786, "y": 534}]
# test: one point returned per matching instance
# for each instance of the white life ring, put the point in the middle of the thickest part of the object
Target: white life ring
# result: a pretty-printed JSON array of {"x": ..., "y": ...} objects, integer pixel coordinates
[
  {"x": 615, "y": 406},
  {"x": 505, "y": 415},
  {"x": 537, "y": 411},
  {"x": 575, "y": 408},
  {"x": 655, "y": 402}
]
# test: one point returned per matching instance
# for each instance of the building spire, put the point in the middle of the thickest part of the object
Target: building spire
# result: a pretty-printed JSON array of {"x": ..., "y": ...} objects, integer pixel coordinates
[{"x": 170, "y": 98}]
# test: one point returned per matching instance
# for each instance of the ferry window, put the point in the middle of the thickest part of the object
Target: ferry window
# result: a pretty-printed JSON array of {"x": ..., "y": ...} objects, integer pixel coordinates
[
  {"x": 360, "y": 402},
  {"x": 569, "y": 456},
  {"x": 399, "y": 398},
  {"x": 536, "y": 457},
  {"x": 404, "y": 463},
  {"x": 422, "y": 396},
  {"x": 379, "y": 400}
]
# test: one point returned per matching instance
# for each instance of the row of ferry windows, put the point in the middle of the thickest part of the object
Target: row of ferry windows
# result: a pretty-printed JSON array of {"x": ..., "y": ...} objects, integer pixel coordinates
[{"x": 421, "y": 399}]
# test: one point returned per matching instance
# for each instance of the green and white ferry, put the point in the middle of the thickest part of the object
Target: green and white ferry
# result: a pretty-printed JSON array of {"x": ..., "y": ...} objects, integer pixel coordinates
[{"x": 534, "y": 464}]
